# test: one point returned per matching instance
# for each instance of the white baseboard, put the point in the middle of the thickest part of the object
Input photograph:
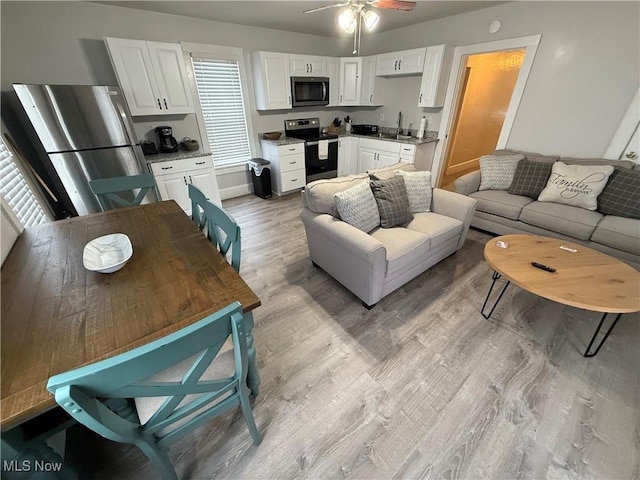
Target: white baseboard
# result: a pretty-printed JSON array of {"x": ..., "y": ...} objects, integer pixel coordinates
[{"x": 235, "y": 191}]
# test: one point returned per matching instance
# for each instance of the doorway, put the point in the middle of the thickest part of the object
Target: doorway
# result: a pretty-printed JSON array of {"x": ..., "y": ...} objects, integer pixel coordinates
[
  {"x": 487, "y": 86},
  {"x": 477, "y": 136}
]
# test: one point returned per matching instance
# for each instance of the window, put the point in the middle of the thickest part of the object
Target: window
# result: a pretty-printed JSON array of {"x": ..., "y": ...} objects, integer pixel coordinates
[
  {"x": 17, "y": 192},
  {"x": 223, "y": 108}
]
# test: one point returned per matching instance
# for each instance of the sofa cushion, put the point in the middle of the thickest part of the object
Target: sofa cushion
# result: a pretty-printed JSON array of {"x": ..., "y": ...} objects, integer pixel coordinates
[
  {"x": 621, "y": 195},
  {"x": 496, "y": 172},
  {"x": 536, "y": 157},
  {"x": 405, "y": 248},
  {"x": 577, "y": 185},
  {"x": 568, "y": 220},
  {"x": 618, "y": 232},
  {"x": 393, "y": 202},
  {"x": 530, "y": 178},
  {"x": 500, "y": 203},
  {"x": 389, "y": 171},
  {"x": 419, "y": 190},
  {"x": 439, "y": 228},
  {"x": 358, "y": 207},
  {"x": 319, "y": 194},
  {"x": 628, "y": 164}
]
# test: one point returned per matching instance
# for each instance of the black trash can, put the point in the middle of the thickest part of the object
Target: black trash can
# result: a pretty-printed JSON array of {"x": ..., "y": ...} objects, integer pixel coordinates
[{"x": 261, "y": 176}]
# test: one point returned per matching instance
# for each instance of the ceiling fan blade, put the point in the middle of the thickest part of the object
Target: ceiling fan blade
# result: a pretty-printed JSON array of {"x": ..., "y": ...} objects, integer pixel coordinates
[
  {"x": 393, "y": 4},
  {"x": 326, "y": 7}
]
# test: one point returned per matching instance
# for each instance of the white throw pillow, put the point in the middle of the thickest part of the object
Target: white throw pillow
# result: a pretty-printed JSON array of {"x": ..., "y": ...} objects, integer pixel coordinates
[
  {"x": 497, "y": 171},
  {"x": 357, "y": 206},
  {"x": 577, "y": 185},
  {"x": 418, "y": 186}
]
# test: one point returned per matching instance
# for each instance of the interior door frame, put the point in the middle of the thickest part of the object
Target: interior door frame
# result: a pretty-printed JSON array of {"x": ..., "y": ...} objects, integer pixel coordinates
[{"x": 530, "y": 43}]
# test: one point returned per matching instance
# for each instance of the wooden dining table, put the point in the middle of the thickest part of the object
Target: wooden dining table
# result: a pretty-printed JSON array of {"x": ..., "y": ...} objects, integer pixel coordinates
[{"x": 58, "y": 316}]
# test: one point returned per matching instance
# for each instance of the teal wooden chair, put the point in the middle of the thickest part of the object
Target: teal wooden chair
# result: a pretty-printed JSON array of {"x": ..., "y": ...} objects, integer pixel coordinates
[
  {"x": 220, "y": 227},
  {"x": 113, "y": 188},
  {"x": 165, "y": 389}
]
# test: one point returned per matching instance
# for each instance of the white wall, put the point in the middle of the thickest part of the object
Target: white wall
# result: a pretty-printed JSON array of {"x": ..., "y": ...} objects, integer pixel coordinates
[
  {"x": 583, "y": 78},
  {"x": 9, "y": 232},
  {"x": 586, "y": 71}
]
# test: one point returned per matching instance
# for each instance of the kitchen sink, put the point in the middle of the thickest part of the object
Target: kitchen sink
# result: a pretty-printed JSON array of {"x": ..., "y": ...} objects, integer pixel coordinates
[{"x": 394, "y": 136}]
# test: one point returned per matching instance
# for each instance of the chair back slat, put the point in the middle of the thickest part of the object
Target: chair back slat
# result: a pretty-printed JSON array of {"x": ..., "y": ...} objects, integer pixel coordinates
[
  {"x": 219, "y": 226},
  {"x": 113, "y": 188},
  {"x": 190, "y": 401}
]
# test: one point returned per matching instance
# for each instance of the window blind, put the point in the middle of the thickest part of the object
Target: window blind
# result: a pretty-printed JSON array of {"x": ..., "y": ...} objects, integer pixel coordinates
[
  {"x": 17, "y": 192},
  {"x": 220, "y": 92}
]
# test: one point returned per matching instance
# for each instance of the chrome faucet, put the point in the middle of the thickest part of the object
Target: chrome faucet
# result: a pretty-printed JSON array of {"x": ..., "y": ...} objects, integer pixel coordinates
[{"x": 399, "y": 130}]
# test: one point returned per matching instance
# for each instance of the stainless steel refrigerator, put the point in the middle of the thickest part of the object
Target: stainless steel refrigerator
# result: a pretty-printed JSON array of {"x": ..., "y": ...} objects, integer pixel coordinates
[{"x": 87, "y": 133}]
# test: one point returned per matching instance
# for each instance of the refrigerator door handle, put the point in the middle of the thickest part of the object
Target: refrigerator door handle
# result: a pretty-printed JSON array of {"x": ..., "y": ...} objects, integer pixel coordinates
[{"x": 125, "y": 120}]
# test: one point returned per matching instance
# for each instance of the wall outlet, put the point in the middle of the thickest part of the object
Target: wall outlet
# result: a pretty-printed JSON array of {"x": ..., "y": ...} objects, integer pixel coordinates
[{"x": 382, "y": 117}]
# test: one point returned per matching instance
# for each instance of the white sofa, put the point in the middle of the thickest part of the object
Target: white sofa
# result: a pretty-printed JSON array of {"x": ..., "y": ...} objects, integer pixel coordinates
[{"x": 372, "y": 265}]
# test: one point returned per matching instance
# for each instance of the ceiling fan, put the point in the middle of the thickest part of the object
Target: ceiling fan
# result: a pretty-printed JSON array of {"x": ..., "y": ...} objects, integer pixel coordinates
[
  {"x": 354, "y": 14},
  {"x": 384, "y": 4}
]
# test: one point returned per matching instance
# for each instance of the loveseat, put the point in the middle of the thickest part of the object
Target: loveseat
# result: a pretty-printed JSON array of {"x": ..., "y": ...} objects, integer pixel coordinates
[
  {"x": 372, "y": 264},
  {"x": 612, "y": 227}
]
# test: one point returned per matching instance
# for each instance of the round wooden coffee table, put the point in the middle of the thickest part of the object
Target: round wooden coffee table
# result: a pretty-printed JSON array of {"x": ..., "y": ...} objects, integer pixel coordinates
[{"x": 583, "y": 277}]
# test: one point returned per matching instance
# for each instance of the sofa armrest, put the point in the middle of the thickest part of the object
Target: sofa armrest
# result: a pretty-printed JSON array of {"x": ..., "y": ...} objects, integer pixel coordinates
[
  {"x": 350, "y": 238},
  {"x": 468, "y": 183},
  {"x": 456, "y": 206},
  {"x": 351, "y": 256}
]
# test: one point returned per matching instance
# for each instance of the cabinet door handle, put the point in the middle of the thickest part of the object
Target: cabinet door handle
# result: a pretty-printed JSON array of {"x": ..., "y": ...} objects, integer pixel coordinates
[
  {"x": 292, "y": 163},
  {"x": 292, "y": 149},
  {"x": 371, "y": 98},
  {"x": 200, "y": 163},
  {"x": 341, "y": 98},
  {"x": 159, "y": 104},
  {"x": 399, "y": 64},
  {"x": 185, "y": 180},
  {"x": 190, "y": 180},
  {"x": 289, "y": 99},
  {"x": 166, "y": 168},
  {"x": 420, "y": 98},
  {"x": 165, "y": 103},
  {"x": 395, "y": 65},
  {"x": 311, "y": 67}
]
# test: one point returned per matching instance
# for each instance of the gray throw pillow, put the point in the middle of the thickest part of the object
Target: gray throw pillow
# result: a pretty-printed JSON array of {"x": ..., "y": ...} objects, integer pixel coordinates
[
  {"x": 393, "y": 202},
  {"x": 357, "y": 207},
  {"x": 418, "y": 185},
  {"x": 577, "y": 185},
  {"x": 497, "y": 171},
  {"x": 530, "y": 178},
  {"x": 621, "y": 195}
]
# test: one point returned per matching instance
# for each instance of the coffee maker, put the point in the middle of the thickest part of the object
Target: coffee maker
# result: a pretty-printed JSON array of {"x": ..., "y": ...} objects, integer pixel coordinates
[{"x": 167, "y": 142}]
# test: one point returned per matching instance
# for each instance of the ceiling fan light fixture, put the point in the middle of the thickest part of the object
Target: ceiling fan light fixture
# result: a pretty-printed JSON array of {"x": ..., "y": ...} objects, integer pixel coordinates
[
  {"x": 347, "y": 20},
  {"x": 371, "y": 19}
]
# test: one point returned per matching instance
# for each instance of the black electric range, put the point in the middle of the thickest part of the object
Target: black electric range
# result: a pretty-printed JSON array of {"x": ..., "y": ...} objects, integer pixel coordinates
[{"x": 320, "y": 150}]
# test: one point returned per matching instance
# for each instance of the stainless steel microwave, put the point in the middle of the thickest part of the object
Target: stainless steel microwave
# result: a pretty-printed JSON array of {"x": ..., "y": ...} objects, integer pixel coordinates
[{"x": 309, "y": 91}]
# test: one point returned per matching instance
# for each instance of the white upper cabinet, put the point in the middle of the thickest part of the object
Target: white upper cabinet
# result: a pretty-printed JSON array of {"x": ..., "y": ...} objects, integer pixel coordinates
[
  {"x": 350, "y": 80},
  {"x": 152, "y": 76},
  {"x": 307, "y": 66},
  {"x": 437, "y": 66},
  {"x": 333, "y": 72},
  {"x": 406, "y": 62},
  {"x": 271, "y": 80},
  {"x": 373, "y": 87}
]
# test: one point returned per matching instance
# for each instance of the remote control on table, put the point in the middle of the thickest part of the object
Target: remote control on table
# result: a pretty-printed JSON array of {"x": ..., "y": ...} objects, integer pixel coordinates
[{"x": 543, "y": 267}]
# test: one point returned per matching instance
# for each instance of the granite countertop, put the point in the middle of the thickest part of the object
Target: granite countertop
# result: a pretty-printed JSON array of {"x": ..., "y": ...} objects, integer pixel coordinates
[
  {"x": 179, "y": 155},
  {"x": 430, "y": 136}
]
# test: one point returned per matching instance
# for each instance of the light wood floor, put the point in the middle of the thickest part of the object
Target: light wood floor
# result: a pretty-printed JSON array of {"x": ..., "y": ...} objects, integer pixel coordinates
[{"x": 421, "y": 386}]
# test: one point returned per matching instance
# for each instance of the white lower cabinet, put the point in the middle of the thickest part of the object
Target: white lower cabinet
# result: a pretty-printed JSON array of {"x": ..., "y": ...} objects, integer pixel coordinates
[
  {"x": 174, "y": 176},
  {"x": 407, "y": 153},
  {"x": 376, "y": 154},
  {"x": 287, "y": 166}
]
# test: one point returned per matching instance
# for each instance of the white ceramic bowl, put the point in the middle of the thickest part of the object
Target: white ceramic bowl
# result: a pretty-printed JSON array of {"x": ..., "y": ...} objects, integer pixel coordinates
[{"x": 107, "y": 254}]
